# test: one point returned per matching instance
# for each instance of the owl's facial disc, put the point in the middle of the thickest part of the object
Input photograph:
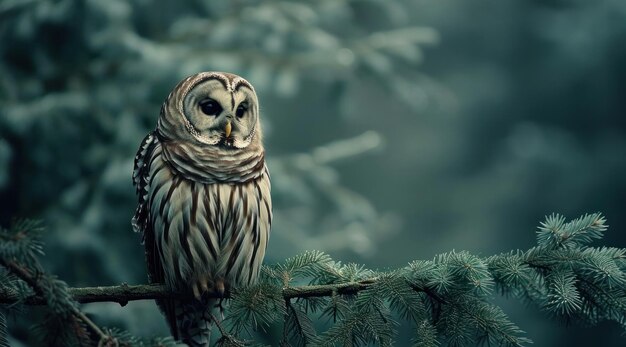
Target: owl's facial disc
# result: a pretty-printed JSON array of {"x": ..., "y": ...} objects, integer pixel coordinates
[{"x": 220, "y": 116}]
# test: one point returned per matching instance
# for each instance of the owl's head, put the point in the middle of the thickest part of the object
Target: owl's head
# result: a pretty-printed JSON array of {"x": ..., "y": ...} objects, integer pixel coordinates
[{"x": 214, "y": 109}]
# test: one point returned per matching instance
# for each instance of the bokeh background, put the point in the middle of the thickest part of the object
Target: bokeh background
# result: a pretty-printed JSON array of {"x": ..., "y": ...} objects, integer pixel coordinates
[{"x": 395, "y": 129}]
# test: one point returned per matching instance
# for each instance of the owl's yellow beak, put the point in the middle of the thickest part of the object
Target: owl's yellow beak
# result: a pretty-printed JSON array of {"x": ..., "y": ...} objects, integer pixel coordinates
[{"x": 228, "y": 128}]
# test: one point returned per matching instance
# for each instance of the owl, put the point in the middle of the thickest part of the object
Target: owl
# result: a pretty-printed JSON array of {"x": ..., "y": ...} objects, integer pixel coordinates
[{"x": 204, "y": 209}]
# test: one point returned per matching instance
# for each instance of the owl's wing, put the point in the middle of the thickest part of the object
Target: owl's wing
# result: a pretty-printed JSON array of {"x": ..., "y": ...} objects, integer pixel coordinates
[
  {"x": 141, "y": 176},
  {"x": 141, "y": 223}
]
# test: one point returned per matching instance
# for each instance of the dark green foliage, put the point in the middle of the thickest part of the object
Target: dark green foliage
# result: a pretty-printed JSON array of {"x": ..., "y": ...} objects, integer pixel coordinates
[
  {"x": 22, "y": 274},
  {"x": 554, "y": 233},
  {"x": 425, "y": 334},
  {"x": 11, "y": 285},
  {"x": 57, "y": 297},
  {"x": 230, "y": 341},
  {"x": 3, "y": 329},
  {"x": 22, "y": 242},
  {"x": 125, "y": 339},
  {"x": 517, "y": 111},
  {"x": 19, "y": 250},
  {"x": 336, "y": 308},
  {"x": 298, "y": 328},
  {"x": 61, "y": 331},
  {"x": 565, "y": 276},
  {"x": 256, "y": 307},
  {"x": 309, "y": 264},
  {"x": 446, "y": 299},
  {"x": 403, "y": 299},
  {"x": 335, "y": 272}
]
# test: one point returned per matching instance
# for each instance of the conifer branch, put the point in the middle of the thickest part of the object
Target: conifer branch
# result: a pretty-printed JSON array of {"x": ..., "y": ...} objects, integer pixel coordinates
[
  {"x": 120, "y": 294},
  {"x": 33, "y": 281},
  {"x": 446, "y": 298},
  {"x": 124, "y": 293}
]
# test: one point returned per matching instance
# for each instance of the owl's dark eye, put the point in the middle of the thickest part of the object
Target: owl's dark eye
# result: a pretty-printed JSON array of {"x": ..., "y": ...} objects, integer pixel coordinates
[
  {"x": 241, "y": 109},
  {"x": 210, "y": 107}
]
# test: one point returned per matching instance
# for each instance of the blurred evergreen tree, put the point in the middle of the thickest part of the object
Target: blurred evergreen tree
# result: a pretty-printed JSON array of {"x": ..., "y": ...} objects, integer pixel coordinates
[
  {"x": 82, "y": 82},
  {"x": 520, "y": 113}
]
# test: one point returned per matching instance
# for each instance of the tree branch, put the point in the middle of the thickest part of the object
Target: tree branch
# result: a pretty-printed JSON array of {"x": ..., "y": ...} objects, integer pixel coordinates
[
  {"x": 33, "y": 281},
  {"x": 124, "y": 293},
  {"x": 573, "y": 280},
  {"x": 121, "y": 294}
]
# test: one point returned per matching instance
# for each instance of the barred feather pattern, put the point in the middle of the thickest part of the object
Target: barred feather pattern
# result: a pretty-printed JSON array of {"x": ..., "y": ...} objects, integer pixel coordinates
[
  {"x": 204, "y": 210},
  {"x": 219, "y": 230},
  {"x": 215, "y": 231}
]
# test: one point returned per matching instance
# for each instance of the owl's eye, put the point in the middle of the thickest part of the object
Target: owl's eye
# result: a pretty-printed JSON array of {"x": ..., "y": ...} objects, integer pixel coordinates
[
  {"x": 241, "y": 109},
  {"x": 210, "y": 107}
]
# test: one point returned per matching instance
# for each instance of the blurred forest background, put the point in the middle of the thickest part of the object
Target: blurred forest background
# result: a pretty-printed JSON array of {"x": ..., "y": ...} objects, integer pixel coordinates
[{"x": 395, "y": 130}]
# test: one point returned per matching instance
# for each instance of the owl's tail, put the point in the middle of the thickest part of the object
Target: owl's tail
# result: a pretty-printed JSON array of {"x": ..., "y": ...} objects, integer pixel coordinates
[{"x": 194, "y": 321}]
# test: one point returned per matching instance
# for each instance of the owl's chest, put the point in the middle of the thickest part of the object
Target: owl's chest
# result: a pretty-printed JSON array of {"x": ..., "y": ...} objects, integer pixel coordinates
[{"x": 208, "y": 229}]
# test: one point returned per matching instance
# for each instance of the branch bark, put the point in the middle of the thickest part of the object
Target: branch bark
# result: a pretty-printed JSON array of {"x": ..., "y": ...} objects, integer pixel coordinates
[
  {"x": 124, "y": 293},
  {"x": 121, "y": 294}
]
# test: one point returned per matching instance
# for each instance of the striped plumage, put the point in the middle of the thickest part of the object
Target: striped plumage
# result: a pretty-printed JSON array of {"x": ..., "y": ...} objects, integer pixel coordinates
[{"x": 204, "y": 196}]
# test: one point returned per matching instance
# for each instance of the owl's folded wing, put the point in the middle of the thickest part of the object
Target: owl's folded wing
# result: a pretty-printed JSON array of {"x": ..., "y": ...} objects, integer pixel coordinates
[
  {"x": 141, "y": 222},
  {"x": 141, "y": 176}
]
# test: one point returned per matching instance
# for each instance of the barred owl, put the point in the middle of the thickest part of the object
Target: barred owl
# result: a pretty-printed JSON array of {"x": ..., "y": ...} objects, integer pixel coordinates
[{"x": 204, "y": 209}]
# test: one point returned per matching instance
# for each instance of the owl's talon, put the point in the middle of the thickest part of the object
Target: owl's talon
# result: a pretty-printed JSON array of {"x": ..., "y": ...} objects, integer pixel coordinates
[
  {"x": 196, "y": 291},
  {"x": 200, "y": 287},
  {"x": 204, "y": 284},
  {"x": 219, "y": 305}
]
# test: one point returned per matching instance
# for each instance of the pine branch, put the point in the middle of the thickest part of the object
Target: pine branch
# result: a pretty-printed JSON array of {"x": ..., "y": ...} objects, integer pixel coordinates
[
  {"x": 4, "y": 342},
  {"x": 124, "y": 293},
  {"x": 446, "y": 298},
  {"x": 120, "y": 294},
  {"x": 33, "y": 281}
]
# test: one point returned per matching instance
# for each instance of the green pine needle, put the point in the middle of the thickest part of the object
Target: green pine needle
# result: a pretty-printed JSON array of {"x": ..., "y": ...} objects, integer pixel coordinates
[
  {"x": 298, "y": 326},
  {"x": 554, "y": 233},
  {"x": 446, "y": 299},
  {"x": 425, "y": 334},
  {"x": 338, "y": 308},
  {"x": 563, "y": 296},
  {"x": 4, "y": 342},
  {"x": 126, "y": 339},
  {"x": 22, "y": 241},
  {"x": 255, "y": 307}
]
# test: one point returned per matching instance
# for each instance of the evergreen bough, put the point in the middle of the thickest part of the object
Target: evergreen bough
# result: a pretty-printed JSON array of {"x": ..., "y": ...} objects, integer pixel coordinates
[{"x": 322, "y": 302}]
